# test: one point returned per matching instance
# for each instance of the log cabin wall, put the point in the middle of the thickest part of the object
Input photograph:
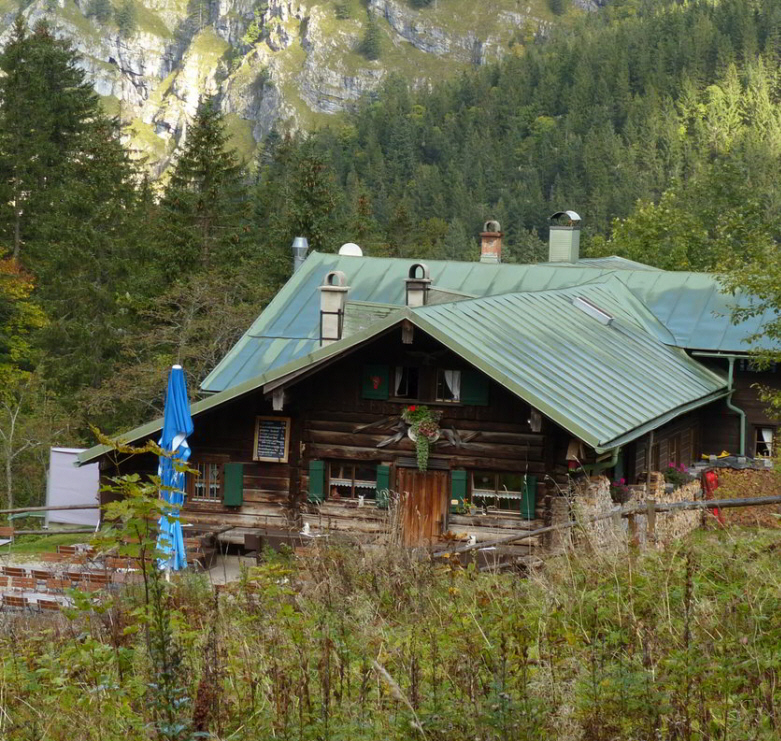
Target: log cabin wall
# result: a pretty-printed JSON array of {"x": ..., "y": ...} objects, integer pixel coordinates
[
  {"x": 226, "y": 435},
  {"x": 721, "y": 426},
  {"x": 676, "y": 442},
  {"x": 353, "y": 435}
]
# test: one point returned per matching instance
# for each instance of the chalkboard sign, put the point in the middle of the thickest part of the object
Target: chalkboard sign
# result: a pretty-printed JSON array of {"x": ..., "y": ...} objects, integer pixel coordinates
[{"x": 272, "y": 439}]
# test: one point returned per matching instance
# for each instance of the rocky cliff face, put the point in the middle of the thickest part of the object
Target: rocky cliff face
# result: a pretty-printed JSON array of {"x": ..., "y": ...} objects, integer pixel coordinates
[{"x": 272, "y": 63}]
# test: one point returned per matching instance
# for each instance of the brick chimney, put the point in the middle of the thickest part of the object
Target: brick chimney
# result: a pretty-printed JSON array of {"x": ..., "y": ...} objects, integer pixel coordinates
[
  {"x": 491, "y": 242},
  {"x": 333, "y": 296},
  {"x": 564, "y": 240}
]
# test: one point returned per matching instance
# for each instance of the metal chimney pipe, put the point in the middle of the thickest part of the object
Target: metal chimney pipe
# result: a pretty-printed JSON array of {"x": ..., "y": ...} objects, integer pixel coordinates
[{"x": 300, "y": 248}]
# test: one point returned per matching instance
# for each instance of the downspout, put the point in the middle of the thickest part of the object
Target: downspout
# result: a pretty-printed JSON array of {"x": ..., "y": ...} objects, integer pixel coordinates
[
  {"x": 594, "y": 468},
  {"x": 730, "y": 388}
]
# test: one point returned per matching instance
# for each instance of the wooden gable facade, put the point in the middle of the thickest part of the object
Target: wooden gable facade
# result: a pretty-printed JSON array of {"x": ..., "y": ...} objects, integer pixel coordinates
[{"x": 329, "y": 457}]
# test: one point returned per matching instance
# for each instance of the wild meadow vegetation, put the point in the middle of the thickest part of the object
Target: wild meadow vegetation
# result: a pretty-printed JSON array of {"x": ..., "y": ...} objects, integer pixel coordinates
[{"x": 354, "y": 642}]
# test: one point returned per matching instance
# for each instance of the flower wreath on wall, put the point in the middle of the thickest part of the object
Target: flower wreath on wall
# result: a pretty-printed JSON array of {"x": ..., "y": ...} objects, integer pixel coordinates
[{"x": 423, "y": 430}]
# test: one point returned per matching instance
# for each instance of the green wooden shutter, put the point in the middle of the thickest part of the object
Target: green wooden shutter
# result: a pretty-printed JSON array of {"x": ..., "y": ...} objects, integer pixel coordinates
[
  {"x": 383, "y": 487},
  {"x": 529, "y": 501},
  {"x": 457, "y": 491},
  {"x": 474, "y": 388},
  {"x": 233, "y": 484},
  {"x": 376, "y": 382},
  {"x": 316, "y": 481}
]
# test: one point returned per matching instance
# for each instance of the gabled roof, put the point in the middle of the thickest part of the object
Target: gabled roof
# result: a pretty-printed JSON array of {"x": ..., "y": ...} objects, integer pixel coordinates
[
  {"x": 690, "y": 306},
  {"x": 606, "y": 383}
]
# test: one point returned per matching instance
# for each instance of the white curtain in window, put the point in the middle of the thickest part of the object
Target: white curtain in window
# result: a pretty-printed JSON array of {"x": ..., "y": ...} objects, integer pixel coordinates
[
  {"x": 399, "y": 374},
  {"x": 453, "y": 381},
  {"x": 767, "y": 438}
]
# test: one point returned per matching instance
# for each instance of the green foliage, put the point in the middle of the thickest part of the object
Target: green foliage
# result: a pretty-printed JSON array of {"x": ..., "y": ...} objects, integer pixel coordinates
[
  {"x": 254, "y": 31},
  {"x": 558, "y": 7},
  {"x": 126, "y": 17},
  {"x": 420, "y": 3},
  {"x": 100, "y": 10},
  {"x": 635, "y": 104},
  {"x": 364, "y": 645},
  {"x": 342, "y": 10},
  {"x": 371, "y": 43}
]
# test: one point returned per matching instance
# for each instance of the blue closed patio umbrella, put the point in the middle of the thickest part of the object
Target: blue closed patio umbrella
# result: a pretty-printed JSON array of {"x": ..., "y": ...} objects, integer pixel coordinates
[{"x": 177, "y": 426}]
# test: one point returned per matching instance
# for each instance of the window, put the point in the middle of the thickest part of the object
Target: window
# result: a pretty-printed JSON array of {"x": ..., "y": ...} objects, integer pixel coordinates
[
  {"x": 348, "y": 480},
  {"x": 449, "y": 385},
  {"x": 406, "y": 382},
  {"x": 501, "y": 490},
  {"x": 763, "y": 442},
  {"x": 207, "y": 484}
]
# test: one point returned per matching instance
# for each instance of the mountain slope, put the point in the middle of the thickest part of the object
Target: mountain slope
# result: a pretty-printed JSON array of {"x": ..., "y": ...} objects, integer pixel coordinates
[{"x": 273, "y": 63}]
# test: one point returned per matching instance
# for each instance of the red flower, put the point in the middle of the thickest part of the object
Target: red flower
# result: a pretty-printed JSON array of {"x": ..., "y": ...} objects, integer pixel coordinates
[{"x": 411, "y": 408}]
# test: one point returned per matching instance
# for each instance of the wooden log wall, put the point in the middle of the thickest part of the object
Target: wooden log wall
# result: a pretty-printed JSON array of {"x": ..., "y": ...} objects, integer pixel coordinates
[
  {"x": 339, "y": 425},
  {"x": 721, "y": 426},
  {"x": 676, "y": 442},
  {"x": 329, "y": 422}
]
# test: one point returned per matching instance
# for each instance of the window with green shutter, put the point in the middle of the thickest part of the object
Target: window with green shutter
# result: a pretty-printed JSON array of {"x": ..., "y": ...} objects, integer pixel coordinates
[
  {"x": 383, "y": 487},
  {"x": 316, "y": 481},
  {"x": 233, "y": 485},
  {"x": 474, "y": 388},
  {"x": 376, "y": 382},
  {"x": 458, "y": 485}
]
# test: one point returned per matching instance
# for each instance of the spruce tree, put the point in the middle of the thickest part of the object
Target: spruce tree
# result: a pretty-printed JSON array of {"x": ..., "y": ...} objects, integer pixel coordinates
[
  {"x": 371, "y": 44},
  {"x": 46, "y": 107},
  {"x": 206, "y": 209},
  {"x": 70, "y": 209},
  {"x": 126, "y": 18}
]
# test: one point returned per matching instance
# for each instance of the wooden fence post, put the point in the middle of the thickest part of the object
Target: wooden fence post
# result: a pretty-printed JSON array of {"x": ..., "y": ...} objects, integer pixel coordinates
[{"x": 651, "y": 518}]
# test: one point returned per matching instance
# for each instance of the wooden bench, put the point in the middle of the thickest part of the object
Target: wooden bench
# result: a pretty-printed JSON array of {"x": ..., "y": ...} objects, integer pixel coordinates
[
  {"x": 14, "y": 571},
  {"x": 6, "y": 535},
  {"x": 11, "y": 600},
  {"x": 49, "y": 605},
  {"x": 57, "y": 585},
  {"x": 53, "y": 557},
  {"x": 40, "y": 575},
  {"x": 97, "y": 577},
  {"x": 24, "y": 582}
]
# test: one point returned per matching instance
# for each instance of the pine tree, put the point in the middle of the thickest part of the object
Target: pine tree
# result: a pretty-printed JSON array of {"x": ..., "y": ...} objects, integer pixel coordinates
[
  {"x": 126, "y": 18},
  {"x": 205, "y": 210},
  {"x": 371, "y": 44},
  {"x": 41, "y": 85},
  {"x": 101, "y": 10}
]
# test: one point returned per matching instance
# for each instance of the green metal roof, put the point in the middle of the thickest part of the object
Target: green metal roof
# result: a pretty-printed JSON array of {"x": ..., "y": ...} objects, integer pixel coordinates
[
  {"x": 606, "y": 383},
  {"x": 691, "y": 306}
]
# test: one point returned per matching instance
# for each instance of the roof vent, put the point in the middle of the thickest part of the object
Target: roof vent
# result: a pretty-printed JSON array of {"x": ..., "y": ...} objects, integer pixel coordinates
[
  {"x": 593, "y": 310},
  {"x": 300, "y": 248},
  {"x": 564, "y": 241},
  {"x": 491, "y": 242},
  {"x": 350, "y": 249},
  {"x": 417, "y": 285}
]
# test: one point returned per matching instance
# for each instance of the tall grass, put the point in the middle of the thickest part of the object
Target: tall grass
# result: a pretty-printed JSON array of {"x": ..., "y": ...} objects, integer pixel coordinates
[{"x": 355, "y": 643}]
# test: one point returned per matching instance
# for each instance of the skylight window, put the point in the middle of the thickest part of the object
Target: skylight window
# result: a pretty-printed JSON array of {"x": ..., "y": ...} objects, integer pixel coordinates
[{"x": 593, "y": 310}]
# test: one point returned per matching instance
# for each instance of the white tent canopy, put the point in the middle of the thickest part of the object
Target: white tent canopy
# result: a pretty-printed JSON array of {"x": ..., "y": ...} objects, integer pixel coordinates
[{"x": 69, "y": 485}]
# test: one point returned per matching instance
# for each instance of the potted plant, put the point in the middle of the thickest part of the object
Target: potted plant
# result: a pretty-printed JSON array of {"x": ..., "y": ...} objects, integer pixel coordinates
[{"x": 423, "y": 430}]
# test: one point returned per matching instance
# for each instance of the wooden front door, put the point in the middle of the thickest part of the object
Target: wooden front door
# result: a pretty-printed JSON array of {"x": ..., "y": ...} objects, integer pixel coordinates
[{"x": 423, "y": 498}]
